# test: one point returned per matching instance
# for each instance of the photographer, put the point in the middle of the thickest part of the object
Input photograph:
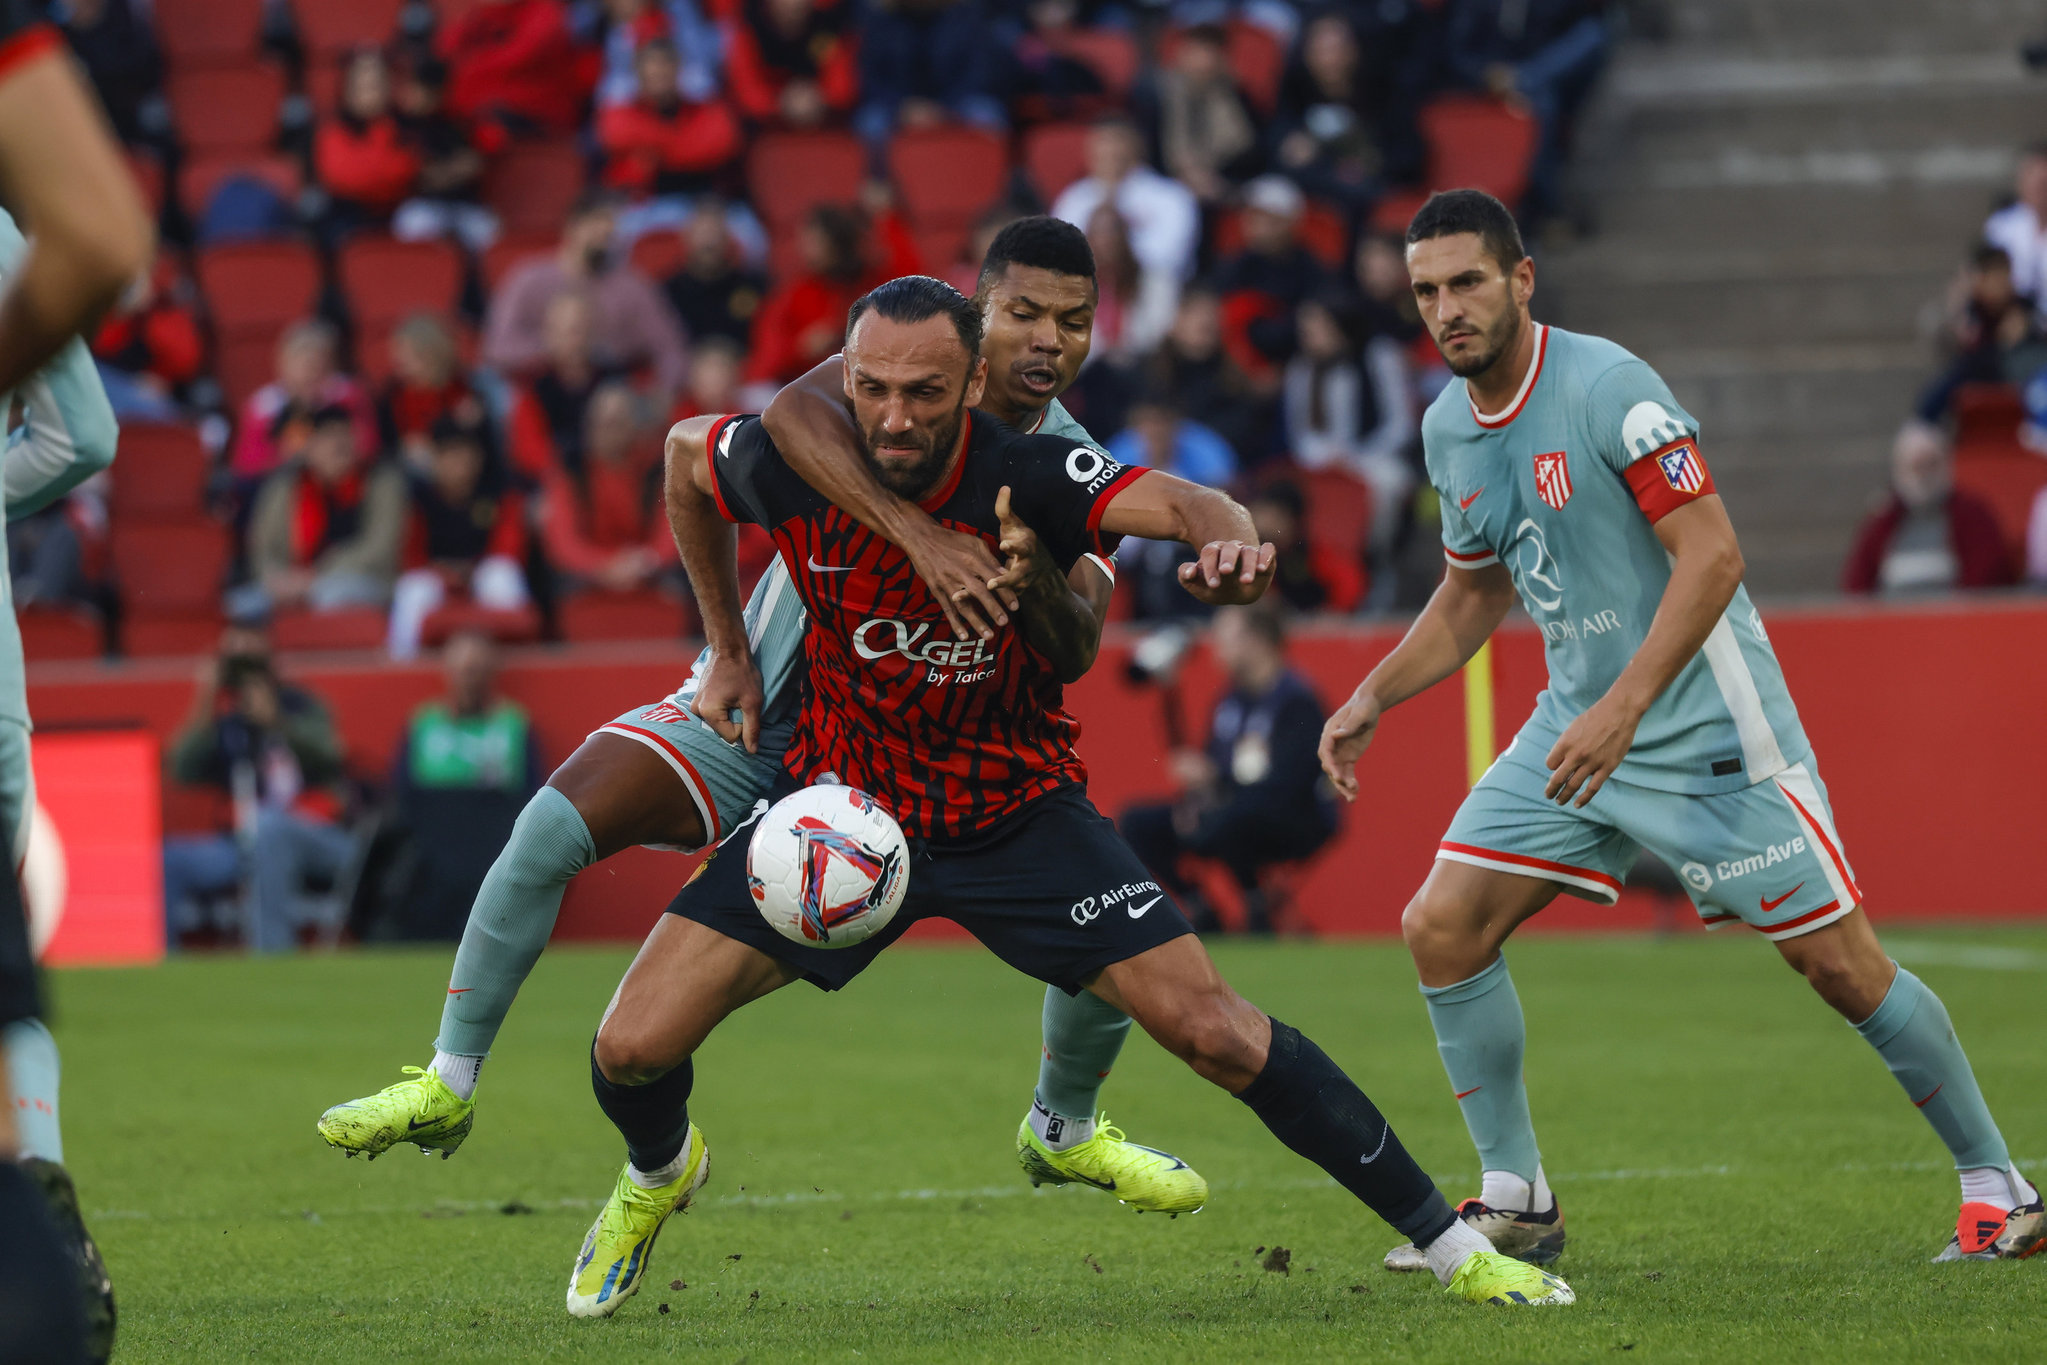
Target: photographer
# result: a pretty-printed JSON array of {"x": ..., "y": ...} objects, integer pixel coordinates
[
  {"x": 272, "y": 748},
  {"x": 1255, "y": 796}
]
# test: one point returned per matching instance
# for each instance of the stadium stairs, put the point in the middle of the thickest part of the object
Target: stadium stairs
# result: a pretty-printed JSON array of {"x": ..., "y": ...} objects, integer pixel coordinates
[{"x": 1779, "y": 190}]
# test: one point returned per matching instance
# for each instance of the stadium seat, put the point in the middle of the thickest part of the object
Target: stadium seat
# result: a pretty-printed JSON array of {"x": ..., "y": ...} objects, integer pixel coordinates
[
  {"x": 1054, "y": 156},
  {"x": 170, "y": 579},
  {"x": 228, "y": 109},
  {"x": 149, "y": 179},
  {"x": 2009, "y": 480},
  {"x": 1987, "y": 415},
  {"x": 531, "y": 185},
  {"x": 521, "y": 627},
  {"x": 507, "y": 252},
  {"x": 59, "y": 633},
  {"x": 252, "y": 286},
  {"x": 159, "y": 476},
  {"x": 601, "y": 615},
  {"x": 1111, "y": 53},
  {"x": 791, "y": 173},
  {"x": 385, "y": 280},
  {"x": 1339, "y": 510},
  {"x": 1474, "y": 142},
  {"x": 208, "y": 32},
  {"x": 659, "y": 254},
  {"x": 348, "y": 628},
  {"x": 329, "y": 28},
  {"x": 1323, "y": 232},
  {"x": 243, "y": 364},
  {"x": 947, "y": 176},
  {"x": 200, "y": 176}
]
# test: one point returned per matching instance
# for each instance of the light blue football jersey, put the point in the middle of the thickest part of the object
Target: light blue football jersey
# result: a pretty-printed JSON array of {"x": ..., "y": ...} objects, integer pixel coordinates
[{"x": 1541, "y": 488}]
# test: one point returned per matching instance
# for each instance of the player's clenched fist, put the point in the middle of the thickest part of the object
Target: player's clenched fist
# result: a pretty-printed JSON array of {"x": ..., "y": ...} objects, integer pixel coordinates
[
  {"x": 1345, "y": 736},
  {"x": 732, "y": 683},
  {"x": 1229, "y": 572}
]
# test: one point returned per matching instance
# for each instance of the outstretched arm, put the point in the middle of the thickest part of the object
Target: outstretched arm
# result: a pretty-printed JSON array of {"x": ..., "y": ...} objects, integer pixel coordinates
[
  {"x": 1463, "y": 612},
  {"x": 810, "y": 425},
  {"x": 710, "y": 555},
  {"x": 1233, "y": 567}
]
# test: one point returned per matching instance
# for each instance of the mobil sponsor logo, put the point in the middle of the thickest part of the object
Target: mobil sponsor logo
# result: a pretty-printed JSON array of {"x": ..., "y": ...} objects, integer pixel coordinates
[
  {"x": 1756, "y": 862},
  {"x": 1091, "y": 468}
]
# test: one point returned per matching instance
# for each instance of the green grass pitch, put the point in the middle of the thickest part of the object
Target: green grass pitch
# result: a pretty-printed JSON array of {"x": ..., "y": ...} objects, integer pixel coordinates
[{"x": 1742, "y": 1179}]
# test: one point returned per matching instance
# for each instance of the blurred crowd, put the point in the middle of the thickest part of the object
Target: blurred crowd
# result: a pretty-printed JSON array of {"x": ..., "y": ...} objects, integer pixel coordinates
[{"x": 482, "y": 453}]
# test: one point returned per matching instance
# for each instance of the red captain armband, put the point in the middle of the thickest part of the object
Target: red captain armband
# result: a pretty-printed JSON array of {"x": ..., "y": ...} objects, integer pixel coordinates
[{"x": 1666, "y": 479}]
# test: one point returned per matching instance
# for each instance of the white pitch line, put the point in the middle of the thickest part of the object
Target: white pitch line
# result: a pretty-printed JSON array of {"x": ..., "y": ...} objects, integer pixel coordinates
[{"x": 1961, "y": 955}]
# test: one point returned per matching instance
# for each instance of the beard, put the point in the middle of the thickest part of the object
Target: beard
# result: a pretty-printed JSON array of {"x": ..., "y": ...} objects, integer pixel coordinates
[
  {"x": 911, "y": 480},
  {"x": 1493, "y": 344}
]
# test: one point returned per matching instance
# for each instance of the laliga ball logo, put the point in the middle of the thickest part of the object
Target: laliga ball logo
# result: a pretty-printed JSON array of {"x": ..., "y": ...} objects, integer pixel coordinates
[{"x": 827, "y": 867}]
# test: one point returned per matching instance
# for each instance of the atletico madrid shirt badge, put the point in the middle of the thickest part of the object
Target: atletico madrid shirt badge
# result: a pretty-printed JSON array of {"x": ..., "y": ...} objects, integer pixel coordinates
[
  {"x": 1682, "y": 468},
  {"x": 1553, "y": 478}
]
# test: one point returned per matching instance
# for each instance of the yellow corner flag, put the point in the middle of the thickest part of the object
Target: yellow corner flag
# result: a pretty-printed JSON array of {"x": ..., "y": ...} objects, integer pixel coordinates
[{"x": 1478, "y": 714}]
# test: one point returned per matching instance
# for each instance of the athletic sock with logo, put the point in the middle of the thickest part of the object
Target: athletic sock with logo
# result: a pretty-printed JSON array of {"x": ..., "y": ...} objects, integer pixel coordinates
[
  {"x": 1083, "y": 1036},
  {"x": 1912, "y": 1033},
  {"x": 458, "y": 1073},
  {"x": 1317, "y": 1111},
  {"x": 653, "y": 1118},
  {"x": 510, "y": 921},
  {"x": 1480, "y": 1034},
  {"x": 32, "y": 1073},
  {"x": 2005, "y": 1189}
]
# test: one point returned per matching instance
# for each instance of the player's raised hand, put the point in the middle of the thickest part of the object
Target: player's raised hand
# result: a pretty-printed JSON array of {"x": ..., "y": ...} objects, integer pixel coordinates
[
  {"x": 1230, "y": 572},
  {"x": 732, "y": 683},
  {"x": 958, "y": 567},
  {"x": 1345, "y": 736},
  {"x": 1024, "y": 555},
  {"x": 1591, "y": 747}
]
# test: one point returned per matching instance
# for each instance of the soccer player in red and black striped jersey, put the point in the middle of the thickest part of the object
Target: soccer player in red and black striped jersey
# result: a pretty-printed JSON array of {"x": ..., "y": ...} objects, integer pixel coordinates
[{"x": 965, "y": 741}]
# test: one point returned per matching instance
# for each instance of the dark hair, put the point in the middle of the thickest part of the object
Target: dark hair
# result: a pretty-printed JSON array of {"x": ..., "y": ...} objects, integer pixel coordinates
[
  {"x": 1038, "y": 243},
  {"x": 1454, "y": 211},
  {"x": 1988, "y": 257},
  {"x": 330, "y": 415},
  {"x": 591, "y": 201},
  {"x": 1213, "y": 35},
  {"x": 448, "y": 429},
  {"x": 1264, "y": 620},
  {"x": 660, "y": 42},
  {"x": 913, "y": 298},
  {"x": 1282, "y": 493}
]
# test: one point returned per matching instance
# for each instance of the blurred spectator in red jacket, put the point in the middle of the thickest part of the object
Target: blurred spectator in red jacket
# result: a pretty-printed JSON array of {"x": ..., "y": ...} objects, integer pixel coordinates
[
  {"x": 514, "y": 63},
  {"x": 1307, "y": 576},
  {"x": 715, "y": 371},
  {"x": 361, "y": 154},
  {"x": 632, "y": 325},
  {"x": 327, "y": 527},
  {"x": 603, "y": 525},
  {"x": 426, "y": 386},
  {"x": 715, "y": 293},
  {"x": 804, "y": 319},
  {"x": 546, "y": 426},
  {"x": 791, "y": 62},
  {"x": 1929, "y": 536},
  {"x": 466, "y": 535},
  {"x": 669, "y": 153},
  {"x": 276, "y": 419},
  {"x": 448, "y": 199},
  {"x": 1265, "y": 282},
  {"x": 150, "y": 347}
]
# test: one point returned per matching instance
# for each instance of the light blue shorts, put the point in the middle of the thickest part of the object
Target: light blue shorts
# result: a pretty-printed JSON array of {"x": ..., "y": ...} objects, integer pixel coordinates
[
  {"x": 724, "y": 780},
  {"x": 1766, "y": 856}
]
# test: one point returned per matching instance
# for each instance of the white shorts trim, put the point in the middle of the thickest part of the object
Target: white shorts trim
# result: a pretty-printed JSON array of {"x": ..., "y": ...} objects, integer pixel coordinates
[
  {"x": 706, "y": 810},
  {"x": 1809, "y": 808},
  {"x": 1597, "y": 891}
]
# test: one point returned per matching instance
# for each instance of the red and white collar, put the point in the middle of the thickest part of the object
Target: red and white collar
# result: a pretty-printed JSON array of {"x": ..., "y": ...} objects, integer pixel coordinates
[
  {"x": 1039, "y": 425},
  {"x": 1513, "y": 410}
]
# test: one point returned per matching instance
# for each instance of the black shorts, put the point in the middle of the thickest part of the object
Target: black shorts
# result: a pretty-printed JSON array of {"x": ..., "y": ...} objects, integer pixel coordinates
[{"x": 1053, "y": 891}]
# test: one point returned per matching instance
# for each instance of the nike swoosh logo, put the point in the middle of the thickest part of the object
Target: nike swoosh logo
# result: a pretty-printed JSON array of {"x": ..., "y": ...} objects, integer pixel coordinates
[
  {"x": 1137, "y": 911},
  {"x": 1768, "y": 906},
  {"x": 1368, "y": 1160},
  {"x": 1921, "y": 1104},
  {"x": 414, "y": 1125},
  {"x": 457, "y": 990},
  {"x": 1462, "y": 1093},
  {"x": 816, "y": 567},
  {"x": 1464, "y": 504}
]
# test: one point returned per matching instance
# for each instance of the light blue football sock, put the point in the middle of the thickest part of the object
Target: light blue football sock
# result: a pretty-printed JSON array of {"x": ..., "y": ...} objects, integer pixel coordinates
[
  {"x": 1912, "y": 1033},
  {"x": 32, "y": 1073},
  {"x": 1083, "y": 1035},
  {"x": 510, "y": 922},
  {"x": 1480, "y": 1034}
]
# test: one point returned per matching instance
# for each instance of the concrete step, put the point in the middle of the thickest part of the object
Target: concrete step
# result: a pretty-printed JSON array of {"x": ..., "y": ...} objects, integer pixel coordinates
[
  {"x": 1731, "y": 311},
  {"x": 1758, "y": 399},
  {"x": 1837, "y": 27},
  {"x": 1896, "y": 123},
  {"x": 1684, "y": 212}
]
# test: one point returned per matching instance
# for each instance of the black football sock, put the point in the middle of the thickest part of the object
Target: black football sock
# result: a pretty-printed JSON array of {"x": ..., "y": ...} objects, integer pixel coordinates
[
  {"x": 1311, "y": 1106},
  {"x": 653, "y": 1118}
]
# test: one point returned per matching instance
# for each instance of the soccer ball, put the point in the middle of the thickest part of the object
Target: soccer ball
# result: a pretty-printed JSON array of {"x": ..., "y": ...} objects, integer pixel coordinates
[{"x": 827, "y": 866}]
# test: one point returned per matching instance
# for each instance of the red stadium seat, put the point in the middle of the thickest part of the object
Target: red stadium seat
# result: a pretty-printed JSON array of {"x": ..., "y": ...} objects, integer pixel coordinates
[
  {"x": 243, "y": 364},
  {"x": 1322, "y": 231},
  {"x": 208, "y": 32},
  {"x": 159, "y": 475},
  {"x": 385, "y": 280},
  {"x": 1987, "y": 415},
  {"x": 348, "y": 628},
  {"x": 331, "y": 27},
  {"x": 1110, "y": 53},
  {"x": 1054, "y": 156},
  {"x": 1339, "y": 510},
  {"x": 200, "y": 176},
  {"x": 792, "y": 173},
  {"x": 646, "y": 615},
  {"x": 149, "y": 179},
  {"x": 2009, "y": 480},
  {"x": 228, "y": 109},
  {"x": 521, "y": 627},
  {"x": 531, "y": 185},
  {"x": 252, "y": 286},
  {"x": 170, "y": 573},
  {"x": 1474, "y": 142},
  {"x": 50, "y": 633},
  {"x": 947, "y": 176},
  {"x": 507, "y": 252}
]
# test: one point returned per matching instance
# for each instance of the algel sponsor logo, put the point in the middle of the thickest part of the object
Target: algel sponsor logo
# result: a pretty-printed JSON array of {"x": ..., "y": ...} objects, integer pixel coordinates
[
  {"x": 882, "y": 636},
  {"x": 1085, "y": 911},
  {"x": 1756, "y": 862}
]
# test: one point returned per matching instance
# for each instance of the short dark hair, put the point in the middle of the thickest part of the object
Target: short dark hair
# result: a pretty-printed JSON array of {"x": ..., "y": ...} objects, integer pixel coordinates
[
  {"x": 1041, "y": 242},
  {"x": 330, "y": 415},
  {"x": 1265, "y": 620},
  {"x": 1988, "y": 257},
  {"x": 1453, "y": 211},
  {"x": 913, "y": 298}
]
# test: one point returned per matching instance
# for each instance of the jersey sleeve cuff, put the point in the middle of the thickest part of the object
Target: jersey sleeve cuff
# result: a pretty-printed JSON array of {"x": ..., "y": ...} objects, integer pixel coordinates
[
  {"x": 1669, "y": 477},
  {"x": 711, "y": 464},
  {"x": 1106, "y": 564},
  {"x": 1470, "y": 561},
  {"x": 1131, "y": 474},
  {"x": 27, "y": 45}
]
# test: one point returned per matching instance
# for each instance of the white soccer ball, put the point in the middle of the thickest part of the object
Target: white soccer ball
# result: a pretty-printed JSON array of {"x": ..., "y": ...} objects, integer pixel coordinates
[{"x": 827, "y": 866}]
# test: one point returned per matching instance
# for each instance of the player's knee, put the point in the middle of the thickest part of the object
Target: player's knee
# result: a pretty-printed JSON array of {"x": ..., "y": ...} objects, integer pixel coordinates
[
  {"x": 1844, "y": 981},
  {"x": 629, "y": 1055},
  {"x": 1427, "y": 927},
  {"x": 1210, "y": 1034}
]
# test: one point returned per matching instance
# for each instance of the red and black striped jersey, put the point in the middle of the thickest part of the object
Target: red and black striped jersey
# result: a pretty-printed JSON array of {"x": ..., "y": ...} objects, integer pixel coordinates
[{"x": 950, "y": 735}]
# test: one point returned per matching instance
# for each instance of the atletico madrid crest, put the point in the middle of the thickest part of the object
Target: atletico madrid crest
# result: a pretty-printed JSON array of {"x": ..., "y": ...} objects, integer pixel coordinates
[
  {"x": 1682, "y": 468},
  {"x": 1553, "y": 479}
]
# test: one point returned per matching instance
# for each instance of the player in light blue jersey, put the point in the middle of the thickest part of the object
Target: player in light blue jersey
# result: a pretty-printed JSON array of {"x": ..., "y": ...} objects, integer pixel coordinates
[
  {"x": 664, "y": 775},
  {"x": 1570, "y": 476}
]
